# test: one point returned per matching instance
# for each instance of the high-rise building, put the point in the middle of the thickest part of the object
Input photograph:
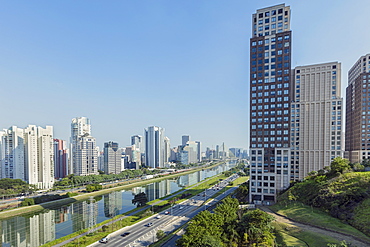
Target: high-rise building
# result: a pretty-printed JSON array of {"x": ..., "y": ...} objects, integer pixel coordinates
[
  {"x": 316, "y": 118},
  {"x": 28, "y": 154},
  {"x": 358, "y": 111},
  {"x": 12, "y": 153},
  {"x": 270, "y": 82},
  {"x": 112, "y": 158},
  {"x": 167, "y": 149},
  {"x": 217, "y": 152},
  {"x": 189, "y": 153},
  {"x": 60, "y": 158},
  {"x": 154, "y": 147},
  {"x": 199, "y": 151},
  {"x": 185, "y": 139},
  {"x": 137, "y": 140},
  {"x": 84, "y": 155}
]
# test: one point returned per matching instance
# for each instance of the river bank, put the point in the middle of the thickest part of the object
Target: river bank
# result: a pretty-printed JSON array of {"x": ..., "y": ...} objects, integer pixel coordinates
[{"x": 85, "y": 196}]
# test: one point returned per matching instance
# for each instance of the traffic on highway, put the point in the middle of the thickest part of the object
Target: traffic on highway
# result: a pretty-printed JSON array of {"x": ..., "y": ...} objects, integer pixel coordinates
[{"x": 144, "y": 232}]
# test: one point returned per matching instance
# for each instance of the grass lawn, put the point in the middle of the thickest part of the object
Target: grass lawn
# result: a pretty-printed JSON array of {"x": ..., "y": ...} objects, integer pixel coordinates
[
  {"x": 294, "y": 236},
  {"x": 305, "y": 214}
]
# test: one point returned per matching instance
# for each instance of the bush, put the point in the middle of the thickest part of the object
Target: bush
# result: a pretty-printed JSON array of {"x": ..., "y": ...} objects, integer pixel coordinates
[
  {"x": 28, "y": 202},
  {"x": 70, "y": 194},
  {"x": 93, "y": 187}
]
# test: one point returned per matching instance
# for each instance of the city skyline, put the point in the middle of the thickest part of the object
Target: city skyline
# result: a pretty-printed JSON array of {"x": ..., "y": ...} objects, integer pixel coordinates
[{"x": 181, "y": 66}]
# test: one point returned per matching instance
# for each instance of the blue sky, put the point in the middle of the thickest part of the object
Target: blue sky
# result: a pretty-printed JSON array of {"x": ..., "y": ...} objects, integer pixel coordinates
[{"x": 182, "y": 65}]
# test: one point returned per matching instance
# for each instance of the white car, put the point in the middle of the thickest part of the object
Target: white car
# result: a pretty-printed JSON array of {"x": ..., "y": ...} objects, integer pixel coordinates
[
  {"x": 158, "y": 217},
  {"x": 181, "y": 207},
  {"x": 104, "y": 240}
]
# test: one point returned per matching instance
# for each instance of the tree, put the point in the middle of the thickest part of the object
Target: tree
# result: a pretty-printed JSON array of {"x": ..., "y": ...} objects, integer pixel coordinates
[
  {"x": 160, "y": 234},
  {"x": 93, "y": 187},
  {"x": 28, "y": 202},
  {"x": 257, "y": 228},
  {"x": 358, "y": 167},
  {"x": 204, "y": 230},
  {"x": 339, "y": 165},
  {"x": 140, "y": 199},
  {"x": 241, "y": 192}
]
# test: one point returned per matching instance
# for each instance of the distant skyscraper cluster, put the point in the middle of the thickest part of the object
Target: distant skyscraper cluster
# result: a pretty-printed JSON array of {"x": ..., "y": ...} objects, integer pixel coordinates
[
  {"x": 33, "y": 155},
  {"x": 296, "y": 115}
]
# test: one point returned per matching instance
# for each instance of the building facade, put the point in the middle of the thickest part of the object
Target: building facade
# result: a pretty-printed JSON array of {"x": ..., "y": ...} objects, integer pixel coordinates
[
  {"x": 84, "y": 155},
  {"x": 28, "y": 154},
  {"x": 358, "y": 111},
  {"x": 12, "y": 153},
  {"x": 316, "y": 118},
  {"x": 154, "y": 147},
  {"x": 137, "y": 140},
  {"x": 112, "y": 158},
  {"x": 270, "y": 82},
  {"x": 60, "y": 159}
]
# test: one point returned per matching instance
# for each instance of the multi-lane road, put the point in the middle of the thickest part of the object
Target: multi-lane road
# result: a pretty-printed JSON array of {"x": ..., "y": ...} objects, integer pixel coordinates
[{"x": 140, "y": 234}]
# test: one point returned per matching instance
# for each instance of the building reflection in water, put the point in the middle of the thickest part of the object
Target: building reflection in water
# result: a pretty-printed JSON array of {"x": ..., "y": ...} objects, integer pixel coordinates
[
  {"x": 112, "y": 204},
  {"x": 29, "y": 231}
]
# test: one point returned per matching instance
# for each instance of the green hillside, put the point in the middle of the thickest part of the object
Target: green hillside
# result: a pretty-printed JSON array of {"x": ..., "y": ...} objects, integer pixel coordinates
[{"x": 337, "y": 190}]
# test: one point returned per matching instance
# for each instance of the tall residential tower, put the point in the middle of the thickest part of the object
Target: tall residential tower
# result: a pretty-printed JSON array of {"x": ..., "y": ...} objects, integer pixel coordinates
[
  {"x": 358, "y": 111},
  {"x": 270, "y": 82},
  {"x": 84, "y": 155},
  {"x": 316, "y": 118}
]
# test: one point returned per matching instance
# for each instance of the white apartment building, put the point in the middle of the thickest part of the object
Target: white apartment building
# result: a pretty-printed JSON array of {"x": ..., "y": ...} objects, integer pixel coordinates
[
  {"x": 28, "y": 154},
  {"x": 84, "y": 155},
  {"x": 12, "y": 160}
]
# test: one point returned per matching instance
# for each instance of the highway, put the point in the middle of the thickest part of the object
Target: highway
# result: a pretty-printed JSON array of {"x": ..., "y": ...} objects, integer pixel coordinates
[{"x": 169, "y": 220}]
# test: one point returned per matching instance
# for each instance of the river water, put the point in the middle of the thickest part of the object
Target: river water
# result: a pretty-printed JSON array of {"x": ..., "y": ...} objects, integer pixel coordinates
[{"x": 36, "y": 229}]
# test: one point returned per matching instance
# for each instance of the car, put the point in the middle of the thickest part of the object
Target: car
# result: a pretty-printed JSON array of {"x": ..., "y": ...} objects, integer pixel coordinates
[
  {"x": 125, "y": 234},
  {"x": 104, "y": 240},
  {"x": 158, "y": 217},
  {"x": 181, "y": 207},
  {"x": 166, "y": 212},
  {"x": 149, "y": 224}
]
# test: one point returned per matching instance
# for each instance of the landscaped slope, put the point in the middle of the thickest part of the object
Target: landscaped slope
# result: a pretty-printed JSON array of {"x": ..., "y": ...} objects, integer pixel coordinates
[{"x": 340, "y": 192}]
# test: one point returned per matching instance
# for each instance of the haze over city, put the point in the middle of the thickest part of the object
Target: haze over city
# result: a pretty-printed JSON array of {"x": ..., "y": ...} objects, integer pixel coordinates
[{"x": 180, "y": 65}]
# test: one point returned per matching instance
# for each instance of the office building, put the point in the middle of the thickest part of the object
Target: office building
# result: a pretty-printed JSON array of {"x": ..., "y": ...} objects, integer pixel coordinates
[
  {"x": 185, "y": 139},
  {"x": 188, "y": 153},
  {"x": 316, "y": 118},
  {"x": 270, "y": 81},
  {"x": 154, "y": 147},
  {"x": 358, "y": 111},
  {"x": 137, "y": 140},
  {"x": 112, "y": 158}
]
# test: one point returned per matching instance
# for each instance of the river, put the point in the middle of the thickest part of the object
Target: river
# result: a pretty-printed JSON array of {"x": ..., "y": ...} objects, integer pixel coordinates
[{"x": 36, "y": 229}]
